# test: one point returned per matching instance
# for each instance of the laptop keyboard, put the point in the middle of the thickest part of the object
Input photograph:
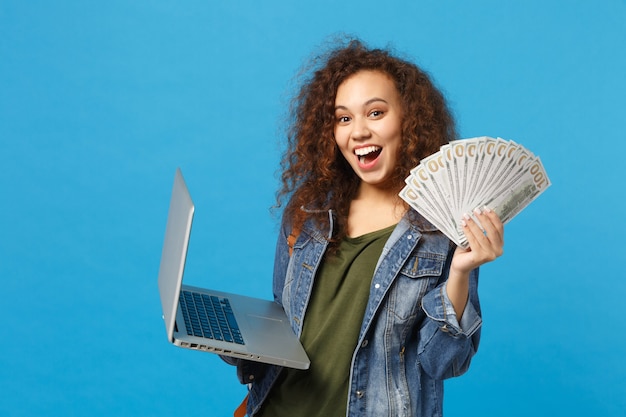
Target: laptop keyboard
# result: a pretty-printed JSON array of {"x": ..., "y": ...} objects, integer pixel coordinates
[{"x": 209, "y": 316}]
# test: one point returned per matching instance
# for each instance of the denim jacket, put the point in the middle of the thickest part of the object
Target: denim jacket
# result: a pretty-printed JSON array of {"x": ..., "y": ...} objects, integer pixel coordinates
[{"x": 410, "y": 338}]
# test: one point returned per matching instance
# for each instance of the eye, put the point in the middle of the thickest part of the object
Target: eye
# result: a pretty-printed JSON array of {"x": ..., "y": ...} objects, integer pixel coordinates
[
  {"x": 343, "y": 119},
  {"x": 376, "y": 113}
]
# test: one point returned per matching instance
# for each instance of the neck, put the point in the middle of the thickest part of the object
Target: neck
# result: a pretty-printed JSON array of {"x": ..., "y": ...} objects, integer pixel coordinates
[
  {"x": 377, "y": 194},
  {"x": 374, "y": 208}
]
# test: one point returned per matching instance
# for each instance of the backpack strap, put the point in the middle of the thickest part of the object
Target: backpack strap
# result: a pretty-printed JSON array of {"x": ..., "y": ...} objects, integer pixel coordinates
[
  {"x": 241, "y": 410},
  {"x": 291, "y": 239}
]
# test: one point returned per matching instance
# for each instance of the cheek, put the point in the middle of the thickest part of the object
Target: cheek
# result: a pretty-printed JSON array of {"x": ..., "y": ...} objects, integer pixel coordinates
[
  {"x": 340, "y": 138},
  {"x": 345, "y": 153},
  {"x": 395, "y": 138}
]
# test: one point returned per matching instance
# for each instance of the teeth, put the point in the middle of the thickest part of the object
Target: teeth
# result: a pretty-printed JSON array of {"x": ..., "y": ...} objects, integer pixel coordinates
[{"x": 366, "y": 150}]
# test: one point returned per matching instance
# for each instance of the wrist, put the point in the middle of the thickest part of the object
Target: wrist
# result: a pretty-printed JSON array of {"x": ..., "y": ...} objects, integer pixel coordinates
[{"x": 458, "y": 274}]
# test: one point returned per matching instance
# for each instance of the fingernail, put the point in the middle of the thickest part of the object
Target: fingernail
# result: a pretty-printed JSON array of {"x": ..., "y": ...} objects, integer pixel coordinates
[
  {"x": 477, "y": 211},
  {"x": 486, "y": 209},
  {"x": 463, "y": 223}
]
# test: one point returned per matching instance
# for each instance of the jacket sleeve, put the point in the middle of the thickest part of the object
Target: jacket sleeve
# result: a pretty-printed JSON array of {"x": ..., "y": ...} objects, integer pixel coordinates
[
  {"x": 281, "y": 261},
  {"x": 448, "y": 343},
  {"x": 249, "y": 371}
]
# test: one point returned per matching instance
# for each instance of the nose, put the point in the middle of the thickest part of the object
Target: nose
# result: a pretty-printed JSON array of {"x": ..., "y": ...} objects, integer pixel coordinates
[{"x": 360, "y": 129}]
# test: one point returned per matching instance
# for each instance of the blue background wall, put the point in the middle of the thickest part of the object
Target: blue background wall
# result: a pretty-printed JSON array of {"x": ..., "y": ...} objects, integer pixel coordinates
[{"x": 101, "y": 101}]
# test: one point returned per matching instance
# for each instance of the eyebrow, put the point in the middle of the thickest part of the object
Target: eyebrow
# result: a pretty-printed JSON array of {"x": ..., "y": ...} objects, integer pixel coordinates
[{"x": 367, "y": 103}]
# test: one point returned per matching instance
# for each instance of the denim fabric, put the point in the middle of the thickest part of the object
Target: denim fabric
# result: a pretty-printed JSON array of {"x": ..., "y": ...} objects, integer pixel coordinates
[{"x": 410, "y": 339}]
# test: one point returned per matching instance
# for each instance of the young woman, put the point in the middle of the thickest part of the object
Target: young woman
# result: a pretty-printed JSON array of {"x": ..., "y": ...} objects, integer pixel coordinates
[{"x": 385, "y": 305}]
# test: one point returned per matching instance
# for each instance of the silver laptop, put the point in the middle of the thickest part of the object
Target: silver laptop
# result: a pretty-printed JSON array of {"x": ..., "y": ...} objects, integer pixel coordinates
[{"x": 213, "y": 321}]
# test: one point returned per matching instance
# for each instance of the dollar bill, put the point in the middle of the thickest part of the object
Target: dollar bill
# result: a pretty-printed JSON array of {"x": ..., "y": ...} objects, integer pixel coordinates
[{"x": 472, "y": 173}]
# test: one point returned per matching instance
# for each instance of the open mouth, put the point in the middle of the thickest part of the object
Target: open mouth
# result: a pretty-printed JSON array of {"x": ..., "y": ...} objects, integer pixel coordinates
[{"x": 368, "y": 154}]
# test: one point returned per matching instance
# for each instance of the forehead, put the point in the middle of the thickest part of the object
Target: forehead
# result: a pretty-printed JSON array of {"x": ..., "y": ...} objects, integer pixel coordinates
[{"x": 365, "y": 85}]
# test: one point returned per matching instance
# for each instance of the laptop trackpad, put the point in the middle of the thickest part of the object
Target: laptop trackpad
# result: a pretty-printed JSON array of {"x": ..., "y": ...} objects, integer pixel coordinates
[
  {"x": 272, "y": 331},
  {"x": 254, "y": 317}
]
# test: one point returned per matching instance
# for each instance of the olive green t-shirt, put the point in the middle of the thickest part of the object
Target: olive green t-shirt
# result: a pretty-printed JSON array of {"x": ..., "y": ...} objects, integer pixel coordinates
[{"x": 330, "y": 333}]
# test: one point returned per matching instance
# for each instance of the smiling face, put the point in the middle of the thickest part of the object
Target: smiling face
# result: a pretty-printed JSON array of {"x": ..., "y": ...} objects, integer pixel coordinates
[{"x": 368, "y": 125}]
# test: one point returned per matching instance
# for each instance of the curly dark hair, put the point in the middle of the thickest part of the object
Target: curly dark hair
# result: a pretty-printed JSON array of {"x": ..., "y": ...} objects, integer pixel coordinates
[{"x": 315, "y": 174}]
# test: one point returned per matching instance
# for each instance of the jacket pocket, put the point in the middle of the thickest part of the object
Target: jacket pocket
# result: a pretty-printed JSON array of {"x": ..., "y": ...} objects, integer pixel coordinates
[
  {"x": 420, "y": 274},
  {"x": 422, "y": 265}
]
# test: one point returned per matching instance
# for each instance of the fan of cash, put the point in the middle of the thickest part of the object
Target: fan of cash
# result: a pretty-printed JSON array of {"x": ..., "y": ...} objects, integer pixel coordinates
[{"x": 473, "y": 173}]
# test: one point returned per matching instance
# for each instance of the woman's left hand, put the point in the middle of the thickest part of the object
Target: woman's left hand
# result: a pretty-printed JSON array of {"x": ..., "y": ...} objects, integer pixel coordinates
[{"x": 485, "y": 244}]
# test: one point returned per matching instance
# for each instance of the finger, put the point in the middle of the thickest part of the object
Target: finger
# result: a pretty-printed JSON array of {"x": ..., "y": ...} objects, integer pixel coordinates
[
  {"x": 489, "y": 222},
  {"x": 494, "y": 231},
  {"x": 475, "y": 234},
  {"x": 492, "y": 225}
]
